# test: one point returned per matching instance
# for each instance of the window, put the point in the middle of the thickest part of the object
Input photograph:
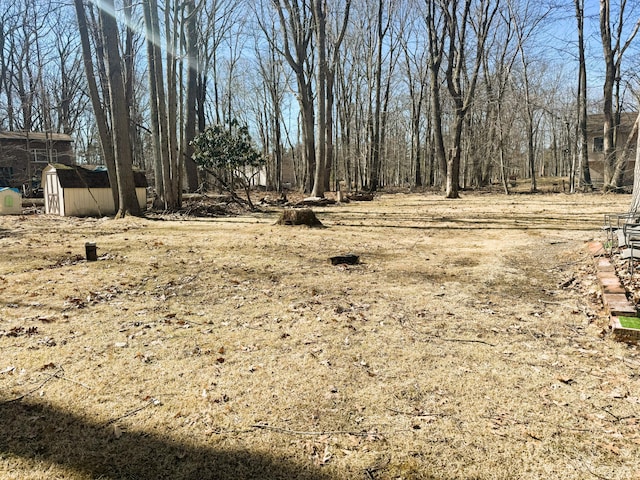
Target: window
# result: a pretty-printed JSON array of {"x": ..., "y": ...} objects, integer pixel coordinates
[
  {"x": 6, "y": 176},
  {"x": 40, "y": 155},
  {"x": 598, "y": 144}
]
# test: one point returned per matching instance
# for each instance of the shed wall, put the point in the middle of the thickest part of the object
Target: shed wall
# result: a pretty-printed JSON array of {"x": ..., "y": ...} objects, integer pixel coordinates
[
  {"x": 10, "y": 202},
  {"x": 85, "y": 202}
]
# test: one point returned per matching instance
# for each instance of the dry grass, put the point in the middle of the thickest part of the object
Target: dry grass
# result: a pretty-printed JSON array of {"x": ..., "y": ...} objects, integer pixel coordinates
[{"x": 232, "y": 348}]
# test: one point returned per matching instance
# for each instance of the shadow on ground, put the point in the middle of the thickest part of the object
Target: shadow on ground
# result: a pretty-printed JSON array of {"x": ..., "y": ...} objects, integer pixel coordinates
[{"x": 43, "y": 434}]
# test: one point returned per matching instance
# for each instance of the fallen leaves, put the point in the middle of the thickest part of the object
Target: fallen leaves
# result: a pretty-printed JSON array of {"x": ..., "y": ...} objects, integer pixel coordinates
[{"x": 19, "y": 331}]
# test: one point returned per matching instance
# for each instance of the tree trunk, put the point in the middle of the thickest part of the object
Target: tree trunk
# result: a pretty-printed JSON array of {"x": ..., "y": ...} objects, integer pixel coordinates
[
  {"x": 613, "y": 58},
  {"x": 463, "y": 97},
  {"x": 128, "y": 202},
  {"x": 102, "y": 123},
  {"x": 191, "y": 169},
  {"x": 635, "y": 197},
  {"x": 437, "y": 31},
  {"x": 609, "y": 151},
  {"x": 321, "y": 160},
  {"x": 583, "y": 147}
]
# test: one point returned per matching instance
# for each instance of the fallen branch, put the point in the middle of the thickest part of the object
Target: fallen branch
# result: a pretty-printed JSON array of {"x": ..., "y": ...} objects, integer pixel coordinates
[
  {"x": 17, "y": 399},
  {"x": 444, "y": 339},
  {"x": 463, "y": 340},
  {"x": 62, "y": 377},
  {"x": 264, "y": 426},
  {"x": 416, "y": 414},
  {"x": 152, "y": 401}
]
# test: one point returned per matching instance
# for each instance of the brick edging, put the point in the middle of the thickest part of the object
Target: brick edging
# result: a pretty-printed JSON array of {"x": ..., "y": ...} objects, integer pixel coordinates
[{"x": 614, "y": 295}]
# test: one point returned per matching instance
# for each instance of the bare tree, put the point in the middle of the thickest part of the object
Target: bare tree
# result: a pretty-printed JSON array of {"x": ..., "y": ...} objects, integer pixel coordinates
[
  {"x": 462, "y": 95},
  {"x": 272, "y": 83},
  {"x": 497, "y": 85},
  {"x": 319, "y": 15},
  {"x": 415, "y": 61},
  {"x": 583, "y": 148},
  {"x": 190, "y": 113},
  {"x": 120, "y": 121},
  {"x": 337, "y": 35},
  {"x": 163, "y": 123},
  {"x": 635, "y": 197},
  {"x": 296, "y": 27},
  {"x": 100, "y": 112},
  {"x": 526, "y": 17},
  {"x": 437, "y": 30},
  {"x": 613, "y": 48}
]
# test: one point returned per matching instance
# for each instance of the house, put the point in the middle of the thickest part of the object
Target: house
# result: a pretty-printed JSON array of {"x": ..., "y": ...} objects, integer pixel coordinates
[
  {"x": 10, "y": 201},
  {"x": 83, "y": 191},
  {"x": 23, "y": 155},
  {"x": 595, "y": 140}
]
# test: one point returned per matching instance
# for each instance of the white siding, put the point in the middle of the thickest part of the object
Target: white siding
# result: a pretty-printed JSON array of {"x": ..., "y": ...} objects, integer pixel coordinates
[
  {"x": 141, "y": 193},
  {"x": 83, "y": 202}
]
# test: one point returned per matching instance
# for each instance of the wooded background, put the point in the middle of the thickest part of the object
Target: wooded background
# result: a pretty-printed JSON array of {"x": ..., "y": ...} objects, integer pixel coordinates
[{"x": 362, "y": 94}]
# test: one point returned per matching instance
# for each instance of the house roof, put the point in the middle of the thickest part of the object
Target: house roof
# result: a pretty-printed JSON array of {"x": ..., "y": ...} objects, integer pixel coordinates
[
  {"x": 38, "y": 136},
  {"x": 595, "y": 122},
  {"x": 91, "y": 176}
]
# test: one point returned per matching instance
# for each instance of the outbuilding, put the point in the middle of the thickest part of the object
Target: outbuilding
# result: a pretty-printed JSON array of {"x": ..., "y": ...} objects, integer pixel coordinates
[
  {"x": 10, "y": 201},
  {"x": 83, "y": 191}
]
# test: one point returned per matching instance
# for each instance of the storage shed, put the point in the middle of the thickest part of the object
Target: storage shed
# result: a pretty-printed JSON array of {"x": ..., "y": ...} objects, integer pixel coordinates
[
  {"x": 10, "y": 201},
  {"x": 83, "y": 191}
]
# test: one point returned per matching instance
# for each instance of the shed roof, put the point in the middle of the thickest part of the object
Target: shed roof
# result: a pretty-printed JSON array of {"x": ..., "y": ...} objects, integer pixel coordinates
[
  {"x": 39, "y": 136},
  {"x": 91, "y": 176}
]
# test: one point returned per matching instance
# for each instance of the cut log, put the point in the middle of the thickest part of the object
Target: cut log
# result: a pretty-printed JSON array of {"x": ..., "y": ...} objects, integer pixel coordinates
[
  {"x": 361, "y": 197},
  {"x": 315, "y": 202},
  {"x": 299, "y": 216}
]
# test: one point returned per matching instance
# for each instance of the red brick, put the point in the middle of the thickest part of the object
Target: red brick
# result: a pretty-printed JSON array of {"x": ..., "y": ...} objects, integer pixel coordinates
[
  {"x": 613, "y": 289},
  {"x": 604, "y": 265},
  {"x": 595, "y": 248}
]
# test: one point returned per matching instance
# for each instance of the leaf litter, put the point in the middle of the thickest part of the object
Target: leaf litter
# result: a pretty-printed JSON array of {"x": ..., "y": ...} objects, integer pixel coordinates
[{"x": 456, "y": 349}]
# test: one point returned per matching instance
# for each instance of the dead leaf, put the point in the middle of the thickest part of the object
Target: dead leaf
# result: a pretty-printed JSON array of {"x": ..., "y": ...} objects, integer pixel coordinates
[
  {"x": 619, "y": 392},
  {"x": 530, "y": 434},
  {"x": 610, "y": 447},
  {"x": 326, "y": 456},
  {"x": 567, "y": 381}
]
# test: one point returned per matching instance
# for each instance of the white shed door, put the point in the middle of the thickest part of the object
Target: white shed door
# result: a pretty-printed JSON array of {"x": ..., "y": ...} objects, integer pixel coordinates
[{"x": 53, "y": 193}]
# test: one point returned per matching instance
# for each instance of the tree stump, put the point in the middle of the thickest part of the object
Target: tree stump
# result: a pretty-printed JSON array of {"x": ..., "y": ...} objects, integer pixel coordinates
[{"x": 299, "y": 216}]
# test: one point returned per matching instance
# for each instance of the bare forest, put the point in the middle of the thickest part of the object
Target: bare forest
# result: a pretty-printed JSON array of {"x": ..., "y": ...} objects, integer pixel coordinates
[{"x": 351, "y": 95}]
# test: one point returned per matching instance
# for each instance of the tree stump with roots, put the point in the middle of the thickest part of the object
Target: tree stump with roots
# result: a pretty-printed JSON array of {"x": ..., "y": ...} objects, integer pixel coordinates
[{"x": 299, "y": 216}]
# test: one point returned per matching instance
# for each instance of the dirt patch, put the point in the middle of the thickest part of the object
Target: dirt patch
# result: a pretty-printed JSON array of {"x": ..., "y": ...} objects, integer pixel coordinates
[{"x": 466, "y": 343}]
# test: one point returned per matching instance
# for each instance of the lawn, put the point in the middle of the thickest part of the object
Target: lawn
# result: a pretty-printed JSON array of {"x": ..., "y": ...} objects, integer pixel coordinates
[{"x": 468, "y": 343}]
